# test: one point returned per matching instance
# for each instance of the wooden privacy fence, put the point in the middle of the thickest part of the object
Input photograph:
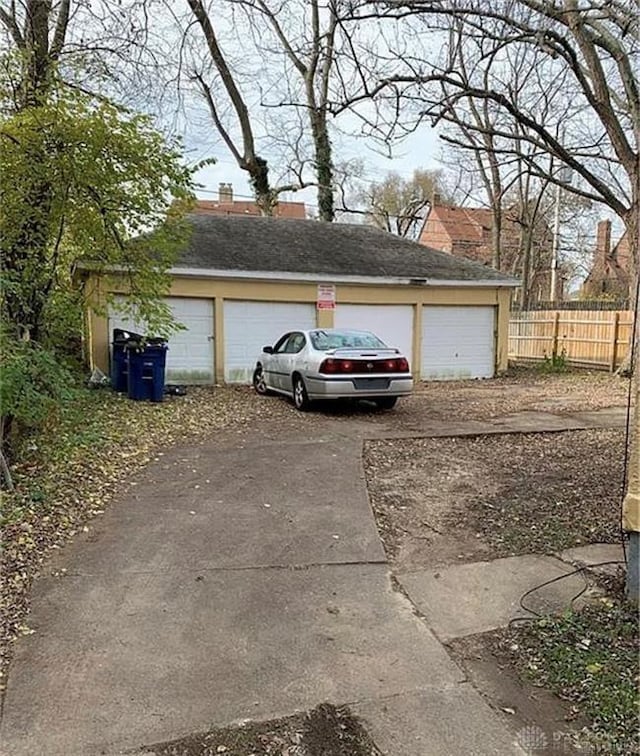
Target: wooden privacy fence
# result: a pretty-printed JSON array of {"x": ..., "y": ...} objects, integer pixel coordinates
[{"x": 596, "y": 338}]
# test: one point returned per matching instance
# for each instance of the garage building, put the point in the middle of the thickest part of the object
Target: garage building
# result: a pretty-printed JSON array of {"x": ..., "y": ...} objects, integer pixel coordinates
[{"x": 243, "y": 281}]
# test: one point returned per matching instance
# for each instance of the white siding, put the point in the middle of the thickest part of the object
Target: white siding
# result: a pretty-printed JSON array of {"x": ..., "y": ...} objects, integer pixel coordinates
[
  {"x": 248, "y": 326},
  {"x": 392, "y": 323},
  {"x": 458, "y": 342},
  {"x": 190, "y": 356}
]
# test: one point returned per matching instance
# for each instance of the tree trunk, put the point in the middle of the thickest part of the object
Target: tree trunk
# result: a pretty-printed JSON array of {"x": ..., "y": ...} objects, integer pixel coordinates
[
  {"x": 258, "y": 171},
  {"x": 26, "y": 262},
  {"x": 496, "y": 236},
  {"x": 37, "y": 61},
  {"x": 324, "y": 166}
]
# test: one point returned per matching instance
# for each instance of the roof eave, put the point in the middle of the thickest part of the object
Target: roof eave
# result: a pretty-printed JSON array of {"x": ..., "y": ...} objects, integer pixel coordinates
[{"x": 257, "y": 275}]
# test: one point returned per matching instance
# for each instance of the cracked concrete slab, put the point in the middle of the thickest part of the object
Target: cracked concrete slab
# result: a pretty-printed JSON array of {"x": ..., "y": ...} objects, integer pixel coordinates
[
  {"x": 531, "y": 421},
  {"x": 245, "y": 506},
  {"x": 607, "y": 417},
  {"x": 120, "y": 660},
  {"x": 465, "y": 599},
  {"x": 455, "y": 720},
  {"x": 593, "y": 555}
]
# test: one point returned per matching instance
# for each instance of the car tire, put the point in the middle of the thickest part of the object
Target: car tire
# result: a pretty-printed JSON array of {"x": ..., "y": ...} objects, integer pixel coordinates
[
  {"x": 300, "y": 396},
  {"x": 258, "y": 382},
  {"x": 386, "y": 402}
]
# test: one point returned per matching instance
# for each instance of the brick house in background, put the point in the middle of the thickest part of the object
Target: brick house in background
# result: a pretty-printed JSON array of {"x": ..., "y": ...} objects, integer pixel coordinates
[
  {"x": 609, "y": 274},
  {"x": 227, "y": 205},
  {"x": 467, "y": 232}
]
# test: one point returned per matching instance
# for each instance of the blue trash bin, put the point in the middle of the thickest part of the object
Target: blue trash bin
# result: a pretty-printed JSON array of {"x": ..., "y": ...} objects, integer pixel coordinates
[
  {"x": 145, "y": 370},
  {"x": 119, "y": 366}
]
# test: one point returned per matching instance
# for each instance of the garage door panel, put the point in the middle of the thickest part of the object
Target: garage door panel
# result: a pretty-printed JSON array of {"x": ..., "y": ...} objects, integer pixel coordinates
[
  {"x": 248, "y": 326},
  {"x": 458, "y": 342},
  {"x": 392, "y": 323},
  {"x": 190, "y": 355}
]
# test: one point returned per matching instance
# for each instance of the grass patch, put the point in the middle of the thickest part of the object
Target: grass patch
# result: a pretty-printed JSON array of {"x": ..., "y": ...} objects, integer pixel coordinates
[{"x": 590, "y": 658}]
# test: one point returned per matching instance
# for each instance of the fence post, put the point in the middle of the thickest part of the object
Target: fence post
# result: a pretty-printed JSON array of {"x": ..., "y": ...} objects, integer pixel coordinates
[
  {"x": 614, "y": 342},
  {"x": 556, "y": 330}
]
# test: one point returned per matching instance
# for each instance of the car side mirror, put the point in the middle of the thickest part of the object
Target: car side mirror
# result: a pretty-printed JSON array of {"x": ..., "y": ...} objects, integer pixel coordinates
[{"x": 267, "y": 349}]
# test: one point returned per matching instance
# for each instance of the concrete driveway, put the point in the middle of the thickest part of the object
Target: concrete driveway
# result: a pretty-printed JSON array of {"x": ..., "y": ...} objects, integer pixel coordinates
[{"x": 241, "y": 578}]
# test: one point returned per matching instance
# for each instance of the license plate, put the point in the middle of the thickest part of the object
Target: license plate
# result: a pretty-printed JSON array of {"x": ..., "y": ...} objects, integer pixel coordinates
[{"x": 371, "y": 384}]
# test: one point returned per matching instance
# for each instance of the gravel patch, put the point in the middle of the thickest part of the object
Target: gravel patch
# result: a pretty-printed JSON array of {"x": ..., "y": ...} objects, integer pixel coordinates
[{"x": 521, "y": 389}]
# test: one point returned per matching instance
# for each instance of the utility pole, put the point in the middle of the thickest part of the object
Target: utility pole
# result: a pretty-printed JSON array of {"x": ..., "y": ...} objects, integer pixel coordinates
[
  {"x": 631, "y": 505},
  {"x": 565, "y": 176},
  {"x": 556, "y": 245}
]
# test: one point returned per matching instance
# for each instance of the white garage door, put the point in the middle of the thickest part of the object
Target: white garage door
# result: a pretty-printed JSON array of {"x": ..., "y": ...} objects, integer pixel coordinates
[
  {"x": 392, "y": 323},
  {"x": 248, "y": 326},
  {"x": 190, "y": 356},
  {"x": 458, "y": 342}
]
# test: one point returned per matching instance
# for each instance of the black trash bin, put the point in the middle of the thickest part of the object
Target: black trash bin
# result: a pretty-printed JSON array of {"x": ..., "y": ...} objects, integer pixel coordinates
[
  {"x": 146, "y": 364},
  {"x": 119, "y": 357}
]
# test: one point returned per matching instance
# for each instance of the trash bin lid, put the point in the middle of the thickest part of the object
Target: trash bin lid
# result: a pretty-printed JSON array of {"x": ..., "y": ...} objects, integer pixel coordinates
[{"x": 120, "y": 335}]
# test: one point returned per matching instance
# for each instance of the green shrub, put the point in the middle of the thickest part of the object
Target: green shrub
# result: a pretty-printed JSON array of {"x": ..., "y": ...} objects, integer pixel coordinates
[
  {"x": 33, "y": 384},
  {"x": 555, "y": 363}
]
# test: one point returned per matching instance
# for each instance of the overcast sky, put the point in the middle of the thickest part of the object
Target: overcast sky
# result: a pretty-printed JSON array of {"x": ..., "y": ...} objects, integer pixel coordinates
[{"x": 420, "y": 150}]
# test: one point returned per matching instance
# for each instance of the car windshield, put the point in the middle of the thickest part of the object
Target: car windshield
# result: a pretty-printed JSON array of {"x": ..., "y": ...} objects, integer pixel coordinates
[{"x": 325, "y": 340}]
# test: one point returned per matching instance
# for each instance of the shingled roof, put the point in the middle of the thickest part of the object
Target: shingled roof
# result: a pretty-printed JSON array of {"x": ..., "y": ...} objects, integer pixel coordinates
[{"x": 278, "y": 245}]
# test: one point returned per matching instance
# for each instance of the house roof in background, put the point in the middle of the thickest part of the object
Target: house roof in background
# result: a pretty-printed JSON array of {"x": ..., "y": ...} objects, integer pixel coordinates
[
  {"x": 248, "y": 207},
  {"x": 463, "y": 223},
  {"x": 314, "y": 248},
  {"x": 622, "y": 251}
]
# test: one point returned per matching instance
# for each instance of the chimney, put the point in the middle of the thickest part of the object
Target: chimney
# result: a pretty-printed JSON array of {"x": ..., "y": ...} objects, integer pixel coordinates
[
  {"x": 225, "y": 192},
  {"x": 435, "y": 199},
  {"x": 603, "y": 239}
]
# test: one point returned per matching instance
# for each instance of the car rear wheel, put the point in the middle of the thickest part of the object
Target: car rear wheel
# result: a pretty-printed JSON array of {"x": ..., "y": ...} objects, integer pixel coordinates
[
  {"x": 258, "y": 381},
  {"x": 300, "y": 396},
  {"x": 386, "y": 402}
]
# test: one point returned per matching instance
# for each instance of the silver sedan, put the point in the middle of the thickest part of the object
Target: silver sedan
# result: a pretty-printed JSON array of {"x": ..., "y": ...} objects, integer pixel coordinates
[{"x": 333, "y": 364}]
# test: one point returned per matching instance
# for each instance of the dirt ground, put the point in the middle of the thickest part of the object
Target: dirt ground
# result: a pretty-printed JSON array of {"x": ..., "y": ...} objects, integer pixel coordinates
[
  {"x": 325, "y": 731},
  {"x": 439, "y": 501}
]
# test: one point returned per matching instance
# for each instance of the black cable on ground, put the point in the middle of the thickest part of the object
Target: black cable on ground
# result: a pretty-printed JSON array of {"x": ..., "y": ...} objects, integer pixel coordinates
[{"x": 556, "y": 579}]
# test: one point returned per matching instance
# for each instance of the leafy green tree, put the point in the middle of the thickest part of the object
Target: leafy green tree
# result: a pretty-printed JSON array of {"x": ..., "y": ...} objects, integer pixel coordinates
[{"x": 86, "y": 185}]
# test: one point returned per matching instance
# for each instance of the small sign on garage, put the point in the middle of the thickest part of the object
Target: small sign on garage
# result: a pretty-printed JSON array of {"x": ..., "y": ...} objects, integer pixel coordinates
[{"x": 326, "y": 299}]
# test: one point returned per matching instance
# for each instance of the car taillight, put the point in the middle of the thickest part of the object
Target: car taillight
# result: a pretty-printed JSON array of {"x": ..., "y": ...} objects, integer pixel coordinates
[
  {"x": 329, "y": 366},
  {"x": 338, "y": 366},
  {"x": 332, "y": 366}
]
